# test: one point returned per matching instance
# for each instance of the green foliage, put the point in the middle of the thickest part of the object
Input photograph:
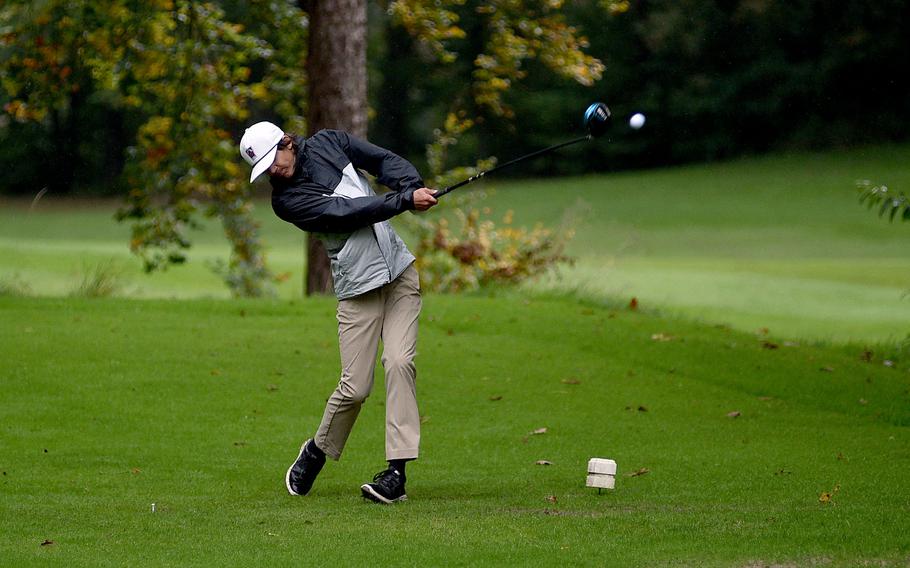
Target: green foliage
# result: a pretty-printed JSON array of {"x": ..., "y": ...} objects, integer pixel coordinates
[
  {"x": 473, "y": 251},
  {"x": 514, "y": 32},
  {"x": 894, "y": 204},
  {"x": 187, "y": 71},
  {"x": 433, "y": 24},
  {"x": 183, "y": 158},
  {"x": 716, "y": 79}
]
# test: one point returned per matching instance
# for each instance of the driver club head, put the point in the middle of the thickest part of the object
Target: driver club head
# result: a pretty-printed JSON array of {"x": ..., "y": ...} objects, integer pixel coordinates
[{"x": 597, "y": 119}]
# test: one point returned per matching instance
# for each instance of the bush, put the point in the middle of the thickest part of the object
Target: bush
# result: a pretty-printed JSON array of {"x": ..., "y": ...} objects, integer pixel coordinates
[{"x": 474, "y": 251}]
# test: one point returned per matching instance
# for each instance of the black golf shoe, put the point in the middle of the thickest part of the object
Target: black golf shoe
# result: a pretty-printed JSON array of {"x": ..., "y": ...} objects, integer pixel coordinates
[
  {"x": 387, "y": 487},
  {"x": 302, "y": 473}
]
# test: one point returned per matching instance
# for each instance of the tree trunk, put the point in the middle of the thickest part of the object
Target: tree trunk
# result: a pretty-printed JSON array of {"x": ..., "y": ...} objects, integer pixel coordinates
[
  {"x": 337, "y": 80},
  {"x": 65, "y": 137}
]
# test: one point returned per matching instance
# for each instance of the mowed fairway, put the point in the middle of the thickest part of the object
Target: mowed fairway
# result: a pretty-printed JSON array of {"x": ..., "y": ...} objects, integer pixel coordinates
[
  {"x": 776, "y": 242},
  {"x": 110, "y": 407}
]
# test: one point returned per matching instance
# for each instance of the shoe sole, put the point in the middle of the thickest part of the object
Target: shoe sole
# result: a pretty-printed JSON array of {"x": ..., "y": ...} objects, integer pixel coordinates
[
  {"x": 372, "y": 495},
  {"x": 287, "y": 476}
]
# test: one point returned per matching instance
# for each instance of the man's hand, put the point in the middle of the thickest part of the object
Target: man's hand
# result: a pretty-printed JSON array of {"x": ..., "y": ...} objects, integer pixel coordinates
[{"x": 423, "y": 198}]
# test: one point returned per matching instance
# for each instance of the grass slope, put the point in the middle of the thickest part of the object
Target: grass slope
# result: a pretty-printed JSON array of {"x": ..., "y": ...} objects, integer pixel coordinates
[
  {"x": 108, "y": 406},
  {"x": 777, "y": 242}
]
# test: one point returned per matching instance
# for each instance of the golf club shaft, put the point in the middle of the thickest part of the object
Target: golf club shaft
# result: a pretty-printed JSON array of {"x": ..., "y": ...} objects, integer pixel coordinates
[{"x": 476, "y": 177}]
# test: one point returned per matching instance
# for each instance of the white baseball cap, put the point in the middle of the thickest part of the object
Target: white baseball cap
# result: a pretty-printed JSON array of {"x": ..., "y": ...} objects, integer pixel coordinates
[{"x": 259, "y": 146}]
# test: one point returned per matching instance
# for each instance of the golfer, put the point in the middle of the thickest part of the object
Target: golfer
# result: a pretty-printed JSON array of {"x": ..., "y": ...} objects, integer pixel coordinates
[{"x": 316, "y": 186}]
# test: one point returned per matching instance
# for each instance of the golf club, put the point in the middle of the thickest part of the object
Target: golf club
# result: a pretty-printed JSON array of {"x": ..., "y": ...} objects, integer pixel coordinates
[{"x": 596, "y": 121}]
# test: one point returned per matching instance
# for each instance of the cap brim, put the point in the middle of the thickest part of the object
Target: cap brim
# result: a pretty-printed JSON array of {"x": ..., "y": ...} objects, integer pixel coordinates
[{"x": 264, "y": 164}]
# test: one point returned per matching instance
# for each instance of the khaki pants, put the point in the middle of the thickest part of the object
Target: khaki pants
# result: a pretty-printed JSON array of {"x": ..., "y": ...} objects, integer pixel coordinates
[{"x": 388, "y": 313}]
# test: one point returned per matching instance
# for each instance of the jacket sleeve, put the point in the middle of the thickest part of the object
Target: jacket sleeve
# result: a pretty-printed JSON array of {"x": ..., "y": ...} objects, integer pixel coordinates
[
  {"x": 390, "y": 169},
  {"x": 318, "y": 213}
]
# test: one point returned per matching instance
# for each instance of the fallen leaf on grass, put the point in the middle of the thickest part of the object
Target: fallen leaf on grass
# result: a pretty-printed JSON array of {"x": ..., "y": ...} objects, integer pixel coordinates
[
  {"x": 496, "y": 397},
  {"x": 570, "y": 381},
  {"x": 47, "y": 543},
  {"x": 866, "y": 356},
  {"x": 642, "y": 409},
  {"x": 641, "y": 471},
  {"x": 215, "y": 372},
  {"x": 783, "y": 472},
  {"x": 633, "y": 304},
  {"x": 828, "y": 496},
  {"x": 551, "y": 498},
  {"x": 863, "y": 401},
  {"x": 271, "y": 388},
  {"x": 769, "y": 344},
  {"x": 765, "y": 398},
  {"x": 841, "y": 457},
  {"x": 661, "y": 337},
  {"x": 734, "y": 414},
  {"x": 543, "y": 462},
  {"x": 135, "y": 471},
  {"x": 763, "y": 331},
  {"x": 424, "y": 419},
  {"x": 539, "y": 431},
  {"x": 826, "y": 369},
  {"x": 888, "y": 363}
]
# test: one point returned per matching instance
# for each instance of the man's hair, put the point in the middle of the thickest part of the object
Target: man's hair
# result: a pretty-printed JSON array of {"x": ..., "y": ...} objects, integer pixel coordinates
[{"x": 289, "y": 139}]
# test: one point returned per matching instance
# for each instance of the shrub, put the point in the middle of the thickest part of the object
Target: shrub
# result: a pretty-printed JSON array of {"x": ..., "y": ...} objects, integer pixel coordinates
[{"x": 471, "y": 250}]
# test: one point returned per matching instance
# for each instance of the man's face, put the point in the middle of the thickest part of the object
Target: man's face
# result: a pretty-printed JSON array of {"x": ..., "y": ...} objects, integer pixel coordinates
[{"x": 283, "y": 166}]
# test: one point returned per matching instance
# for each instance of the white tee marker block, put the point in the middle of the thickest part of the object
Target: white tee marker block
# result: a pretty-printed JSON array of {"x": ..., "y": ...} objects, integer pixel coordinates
[{"x": 601, "y": 473}]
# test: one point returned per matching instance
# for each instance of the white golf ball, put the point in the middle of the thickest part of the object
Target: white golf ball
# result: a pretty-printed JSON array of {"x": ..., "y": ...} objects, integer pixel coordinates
[{"x": 637, "y": 121}]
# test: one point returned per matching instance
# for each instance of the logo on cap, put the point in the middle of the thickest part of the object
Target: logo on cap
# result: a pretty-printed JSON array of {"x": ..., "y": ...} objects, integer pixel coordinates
[{"x": 251, "y": 153}]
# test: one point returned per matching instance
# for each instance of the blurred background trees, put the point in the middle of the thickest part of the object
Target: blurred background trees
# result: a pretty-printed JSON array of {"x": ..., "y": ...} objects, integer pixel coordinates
[
  {"x": 717, "y": 79},
  {"x": 147, "y": 100}
]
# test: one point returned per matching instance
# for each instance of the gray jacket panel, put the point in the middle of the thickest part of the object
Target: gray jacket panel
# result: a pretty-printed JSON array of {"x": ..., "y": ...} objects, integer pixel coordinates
[{"x": 369, "y": 257}]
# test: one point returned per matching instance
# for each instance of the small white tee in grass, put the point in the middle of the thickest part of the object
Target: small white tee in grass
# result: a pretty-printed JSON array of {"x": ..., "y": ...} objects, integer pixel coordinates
[{"x": 601, "y": 473}]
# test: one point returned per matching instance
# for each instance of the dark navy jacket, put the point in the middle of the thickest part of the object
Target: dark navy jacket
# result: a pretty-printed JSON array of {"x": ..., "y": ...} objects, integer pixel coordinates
[
  {"x": 308, "y": 198},
  {"x": 328, "y": 195}
]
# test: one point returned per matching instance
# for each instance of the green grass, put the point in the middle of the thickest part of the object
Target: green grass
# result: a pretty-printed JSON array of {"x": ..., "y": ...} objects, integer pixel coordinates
[
  {"x": 778, "y": 242},
  {"x": 110, "y": 405}
]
